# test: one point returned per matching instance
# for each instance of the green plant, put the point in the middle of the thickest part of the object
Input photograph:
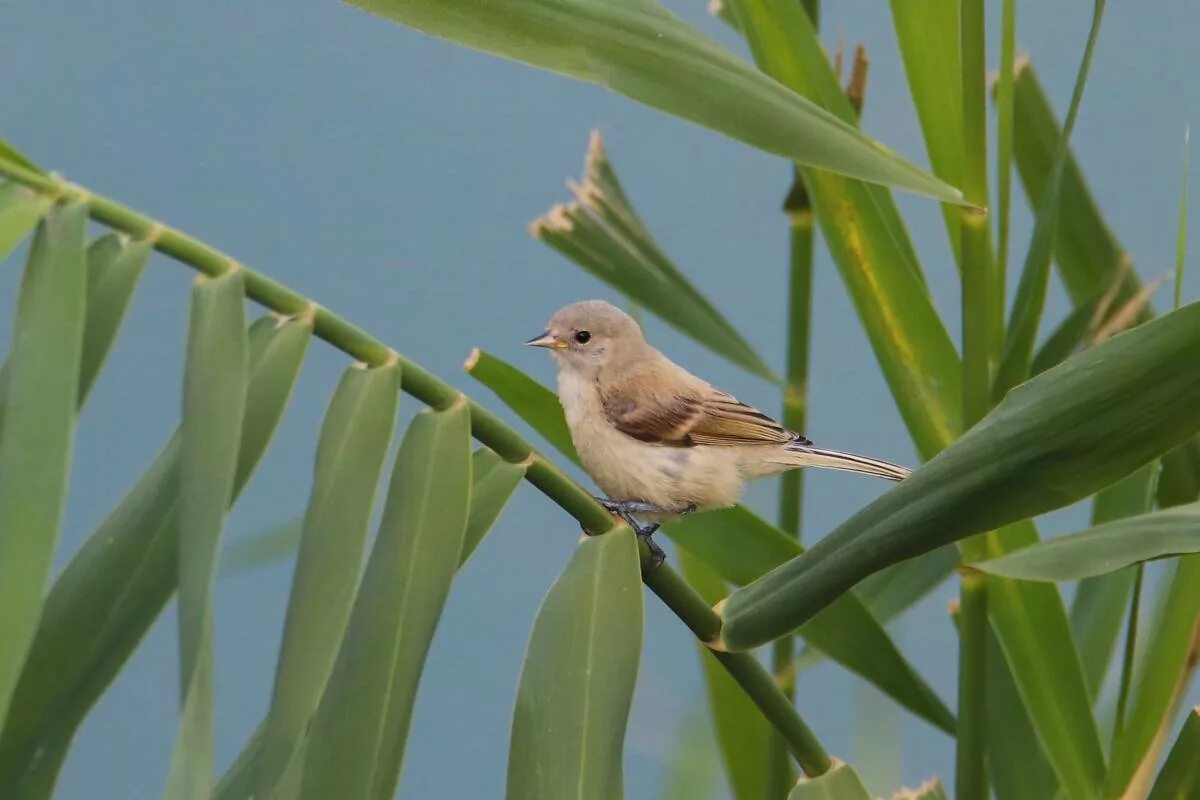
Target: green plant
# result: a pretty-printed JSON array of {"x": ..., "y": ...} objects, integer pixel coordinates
[{"x": 1105, "y": 409}]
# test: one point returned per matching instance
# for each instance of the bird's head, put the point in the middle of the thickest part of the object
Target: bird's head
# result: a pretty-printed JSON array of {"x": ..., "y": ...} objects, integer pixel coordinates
[{"x": 585, "y": 337}]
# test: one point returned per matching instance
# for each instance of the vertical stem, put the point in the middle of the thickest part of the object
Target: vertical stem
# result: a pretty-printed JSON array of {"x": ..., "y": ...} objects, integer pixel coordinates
[
  {"x": 970, "y": 778},
  {"x": 798, "y": 209},
  {"x": 1004, "y": 143},
  {"x": 978, "y": 289}
]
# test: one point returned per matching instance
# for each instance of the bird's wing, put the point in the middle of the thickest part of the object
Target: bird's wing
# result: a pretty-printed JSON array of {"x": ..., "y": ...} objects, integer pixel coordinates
[{"x": 684, "y": 419}]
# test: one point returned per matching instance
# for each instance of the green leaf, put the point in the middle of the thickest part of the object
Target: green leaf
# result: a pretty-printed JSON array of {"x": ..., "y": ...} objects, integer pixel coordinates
[
  {"x": 639, "y": 49},
  {"x": 1126, "y": 400},
  {"x": 740, "y": 546},
  {"x": 577, "y": 680},
  {"x": 1068, "y": 338},
  {"x": 114, "y": 268},
  {"x": 928, "y": 36},
  {"x": 1021, "y": 332},
  {"x": 1089, "y": 257},
  {"x": 1161, "y": 676},
  {"x": 117, "y": 584},
  {"x": 1063, "y": 435},
  {"x": 214, "y": 401},
  {"x": 493, "y": 481},
  {"x": 35, "y": 451},
  {"x": 839, "y": 783},
  {"x": 691, "y": 770},
  {"x": 351, "y": 451},
  {"x": 1100, "y": 603},
  {"x": 531, "y": 401},
  {"x": 20, "y": 209},
  {"x": 1012, "y": 738},
  {"x": 238, "y": 781},
  {"x": 602, "y": 233},
  {"x": 356, "y": 745},
  {"x": 1180, "y": 776},
  {"x": 742, "y": 731},
  {"x": 1105, "y": 548}
]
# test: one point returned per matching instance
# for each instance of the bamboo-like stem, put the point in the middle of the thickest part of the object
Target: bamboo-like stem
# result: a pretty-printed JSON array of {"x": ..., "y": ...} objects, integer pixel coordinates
[
  {"x": 978, "y": 297},
  {"x": 485, "y": 427},
  {"x": 970, "y": 778},
  {"x": 1004, "y": 143}
]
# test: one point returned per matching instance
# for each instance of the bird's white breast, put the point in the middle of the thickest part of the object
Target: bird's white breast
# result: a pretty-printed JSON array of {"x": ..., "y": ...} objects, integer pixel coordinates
[{"x": 628, "y": 469}]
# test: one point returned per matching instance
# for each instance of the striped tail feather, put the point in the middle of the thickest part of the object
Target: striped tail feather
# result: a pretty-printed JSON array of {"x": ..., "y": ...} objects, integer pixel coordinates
[{"x": 809, "y": 456}]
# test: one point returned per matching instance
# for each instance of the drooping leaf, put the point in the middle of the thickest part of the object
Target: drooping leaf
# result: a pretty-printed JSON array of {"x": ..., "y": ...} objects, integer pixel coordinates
[
  {"x": 214, "y": 401},
  {"x": 351, "y": 450},
  {"x": 20, "y": 209},
  {"x": 493, "y": 481},
  {"x": 602, "y": 233},
  {"x": 106, "y": 599},
  {"x": 740, "y": 546},
  {"x": 35, "y": 450},
  {"x": 114, "y": 268},
  {"x": 639, "y": 49},
  {"x": 839, "y": 783},
  {"x": 577, "y": 681},
  {"x": 1180, "y": 776},
  {"x": 356, "y": 745}
]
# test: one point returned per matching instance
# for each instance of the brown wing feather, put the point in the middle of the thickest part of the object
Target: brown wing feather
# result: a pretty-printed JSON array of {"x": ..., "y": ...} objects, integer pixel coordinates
[{"x": 680, "y": 420}]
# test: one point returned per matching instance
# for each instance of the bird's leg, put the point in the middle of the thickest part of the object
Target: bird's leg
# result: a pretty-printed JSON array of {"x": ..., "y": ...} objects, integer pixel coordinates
[{"x": 625, "y": 509}]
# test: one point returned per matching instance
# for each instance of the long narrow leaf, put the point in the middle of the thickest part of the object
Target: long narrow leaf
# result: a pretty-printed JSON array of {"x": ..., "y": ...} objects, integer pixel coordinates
[
  {"x": 1127, "y": 400},
  {"x": 741, "y": 546},
  {"x": 1172, "y": 641},
  {"x": 493, "y": 481},
  {"x": 1180, "y": 776},
  {"x": 1105, "y": 548},
  {"x": 350, "y": 454},
  {"x": 357, "y": 741},
  {"x": 35, "y": 451},
  {"x": 639, "y": 49},
  {"x": 1100, "y": 603},
  {"x": 114, "y": 269},
  {"x": 20, "y": 209},
  {"x": 578, "y": 677},
  {"x": 115, "y": 587},
  {"x": 1021, "y": 332},
  {"x": 214, "y": 401},
  {"x": 602, "y": 233},
  {"x": 1087, "y": 253}
]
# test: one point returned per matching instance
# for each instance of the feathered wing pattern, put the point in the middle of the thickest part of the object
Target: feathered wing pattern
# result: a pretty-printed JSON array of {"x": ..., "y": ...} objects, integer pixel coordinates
[{"x": 690, "y": 413}]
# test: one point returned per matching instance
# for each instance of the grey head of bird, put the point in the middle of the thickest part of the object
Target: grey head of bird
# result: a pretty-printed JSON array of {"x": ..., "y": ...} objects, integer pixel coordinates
[{"x": 587, "y": 336}]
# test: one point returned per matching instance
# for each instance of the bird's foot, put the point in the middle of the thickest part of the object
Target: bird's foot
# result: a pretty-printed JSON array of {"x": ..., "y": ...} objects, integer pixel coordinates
[{"x": 625, "y": 509}]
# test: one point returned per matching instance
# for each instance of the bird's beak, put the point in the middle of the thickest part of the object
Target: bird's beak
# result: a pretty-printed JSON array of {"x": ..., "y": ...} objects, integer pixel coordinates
[{"x": 546, "y": 340}]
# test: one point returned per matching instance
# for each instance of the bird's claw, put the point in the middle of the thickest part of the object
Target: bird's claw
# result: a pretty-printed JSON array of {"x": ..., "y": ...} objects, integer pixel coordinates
[{"x": 625, "y": 509}]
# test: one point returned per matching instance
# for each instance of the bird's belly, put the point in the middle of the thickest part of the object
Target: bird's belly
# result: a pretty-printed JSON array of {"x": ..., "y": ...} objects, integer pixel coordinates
[{"x": 672, "y": 478}]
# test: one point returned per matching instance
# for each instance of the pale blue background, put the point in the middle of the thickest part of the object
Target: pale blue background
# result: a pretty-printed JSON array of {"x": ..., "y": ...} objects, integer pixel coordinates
[{"x": 391, "y": 176}]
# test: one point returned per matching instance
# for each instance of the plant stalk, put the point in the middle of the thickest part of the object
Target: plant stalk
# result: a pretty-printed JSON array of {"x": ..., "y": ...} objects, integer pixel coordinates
[
  {"x": 1131, "y": 633},
  {"x": 485, "y": 427},
  {"x": 970, "y": 777},
  {"x": 979, "y": 346}
]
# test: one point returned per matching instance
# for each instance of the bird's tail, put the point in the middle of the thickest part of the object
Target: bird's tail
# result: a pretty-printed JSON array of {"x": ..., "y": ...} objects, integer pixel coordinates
[{"x": 805, "y": 455}]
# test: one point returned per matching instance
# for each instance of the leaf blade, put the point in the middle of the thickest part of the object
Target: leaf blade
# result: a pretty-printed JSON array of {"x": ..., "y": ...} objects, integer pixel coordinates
[
  {"x": 35, "y": 451},
  {"x": 573, "y": 700},
  {"x": 641, "y": 50},
  {"x": 20, "y": 209}
]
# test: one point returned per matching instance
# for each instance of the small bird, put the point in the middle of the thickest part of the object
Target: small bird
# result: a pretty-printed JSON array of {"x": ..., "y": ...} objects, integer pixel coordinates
[{"x": 657, "y": 440}]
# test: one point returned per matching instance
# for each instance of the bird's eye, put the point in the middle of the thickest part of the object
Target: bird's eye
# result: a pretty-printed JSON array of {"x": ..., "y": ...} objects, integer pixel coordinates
[{"x": 583, "y": 337}]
